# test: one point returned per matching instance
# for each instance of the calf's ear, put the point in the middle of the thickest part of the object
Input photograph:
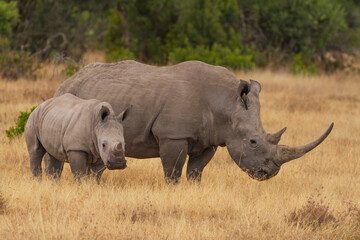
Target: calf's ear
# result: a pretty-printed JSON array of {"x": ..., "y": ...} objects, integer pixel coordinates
[
  {"x": 104, "y": 113},
  {"x": 255, "y": 87},
  {"x": 124, "y": 114}
]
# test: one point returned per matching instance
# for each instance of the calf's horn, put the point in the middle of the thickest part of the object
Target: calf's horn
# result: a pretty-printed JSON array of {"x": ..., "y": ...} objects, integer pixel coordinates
[
  {"x": 118, "y": 147},
  {"x": 287, "y": 153}
]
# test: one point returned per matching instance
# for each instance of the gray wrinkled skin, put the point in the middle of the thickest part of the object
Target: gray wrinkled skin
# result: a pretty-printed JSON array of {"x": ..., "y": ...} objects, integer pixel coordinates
[
  {"x": 187, "y": 109},
  {"x": 83, "y": 132}
]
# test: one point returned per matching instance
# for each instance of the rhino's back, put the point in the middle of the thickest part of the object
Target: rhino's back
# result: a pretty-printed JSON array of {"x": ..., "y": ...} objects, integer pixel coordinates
[{"x": 132, "y": 74}]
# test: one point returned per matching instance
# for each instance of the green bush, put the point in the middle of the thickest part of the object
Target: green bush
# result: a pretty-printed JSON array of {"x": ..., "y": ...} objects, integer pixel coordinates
[
  {"x": 308, "y": 26},
  {"x": 71, "y": 67},
  {"x": 13, "y": 64},
  {"x": 303, "y": 65},
  {"x": 235, "y": 33},
  {"x": 118, "y": 54},
  {"x": 217, "y": 55},
  {"x": 8, "y": 17},
  {"x": 16, "y": 64},
  {"x": 19, "y": 127}
]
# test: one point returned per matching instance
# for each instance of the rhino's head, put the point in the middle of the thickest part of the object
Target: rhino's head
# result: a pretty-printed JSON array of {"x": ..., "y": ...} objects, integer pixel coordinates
[
  {"x": 253, "y": 150},
  {"x": 110, "y": 137}
]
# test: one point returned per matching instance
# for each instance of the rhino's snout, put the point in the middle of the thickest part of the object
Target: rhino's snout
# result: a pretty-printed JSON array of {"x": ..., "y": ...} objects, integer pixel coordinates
[
  {"x": 116, "y": 158},
  {"x": 118, "y": 164},
  {"x": 262, "y": 174}
]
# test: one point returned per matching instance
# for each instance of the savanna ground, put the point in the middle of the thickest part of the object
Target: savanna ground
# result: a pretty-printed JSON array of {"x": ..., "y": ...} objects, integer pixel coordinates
[{"x": 315, "y": 197}]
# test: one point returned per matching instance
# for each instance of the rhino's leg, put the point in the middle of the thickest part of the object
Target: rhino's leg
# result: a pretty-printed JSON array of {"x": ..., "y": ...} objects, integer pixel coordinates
[
  {"x": 197, "y": 163},
  {"x": 173, "y": 155},
  {"x": 53, "y": 167},
  {"x": 97, "y": 169},
  {"x": 79, "y": 164}
]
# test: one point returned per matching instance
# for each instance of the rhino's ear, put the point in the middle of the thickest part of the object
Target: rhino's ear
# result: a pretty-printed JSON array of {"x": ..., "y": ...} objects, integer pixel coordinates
[
  {"x": 243, "y": 90},
  {"x": 255, "y": 87},
  {"x": 124, "y": 114},
  {"x": 104, "y": 112}
]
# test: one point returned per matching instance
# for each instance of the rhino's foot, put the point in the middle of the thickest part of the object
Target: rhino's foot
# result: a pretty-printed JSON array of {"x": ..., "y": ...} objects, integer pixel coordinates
[
  {"x": 194, "y": 176},
  {"x": 172, "y": 181}
]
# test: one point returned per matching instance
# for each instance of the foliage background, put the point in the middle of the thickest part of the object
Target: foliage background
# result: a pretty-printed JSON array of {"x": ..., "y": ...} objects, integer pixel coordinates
[{"x": 306, "y": 36}]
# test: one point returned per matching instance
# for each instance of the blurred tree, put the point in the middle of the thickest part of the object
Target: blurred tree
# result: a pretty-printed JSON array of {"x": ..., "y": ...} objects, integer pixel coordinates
[
  {"x": 9, "y": 16},
  {"x": 350, "y": 38},
  {"x": 234, "y": 33},
  {"x": 64, "y": 26},
  {"x": 306, "y": 26},
  {"x": 138, "y": 29},
  {"x": 159, "y": 31}
]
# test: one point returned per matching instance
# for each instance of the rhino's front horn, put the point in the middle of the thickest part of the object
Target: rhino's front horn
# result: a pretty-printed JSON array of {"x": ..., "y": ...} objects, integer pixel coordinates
[{"x": 286, "y": 153}]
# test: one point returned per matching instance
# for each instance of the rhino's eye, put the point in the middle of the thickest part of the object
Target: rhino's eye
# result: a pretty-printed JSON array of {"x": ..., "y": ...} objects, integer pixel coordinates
[
  {"x": 103, "y": 145},
  {"x": 253, "y": 142}
]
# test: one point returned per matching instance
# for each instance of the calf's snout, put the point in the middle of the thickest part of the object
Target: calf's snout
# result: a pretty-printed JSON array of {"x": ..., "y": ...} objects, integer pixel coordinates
[{"x": 116, "y": 163}]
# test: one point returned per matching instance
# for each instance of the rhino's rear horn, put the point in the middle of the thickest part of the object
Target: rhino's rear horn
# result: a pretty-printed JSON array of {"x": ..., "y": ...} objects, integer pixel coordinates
[
  {"x": 275, "y": 137},
  {"x": 286, "y": 153}
]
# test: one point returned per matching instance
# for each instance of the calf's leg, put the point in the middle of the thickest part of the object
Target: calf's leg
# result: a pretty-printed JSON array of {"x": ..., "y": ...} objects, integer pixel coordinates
[
  {"x": 173, "y": 155},
  {"x": 36, "y": 152},
  {"x": 79, "y": 164},
  {"x": 53, "y": 167},
  {"x": 97, "y": 170}
]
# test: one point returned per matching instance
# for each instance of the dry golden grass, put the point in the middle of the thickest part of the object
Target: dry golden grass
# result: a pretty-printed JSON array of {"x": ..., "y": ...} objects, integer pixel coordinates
[{"x": 315, "y": 197}]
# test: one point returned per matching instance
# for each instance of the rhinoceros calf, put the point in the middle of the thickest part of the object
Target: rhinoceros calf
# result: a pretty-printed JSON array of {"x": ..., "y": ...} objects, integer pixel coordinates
[
  {"x": 189, "y": 108},
  {"x": 82, "y": 132}
]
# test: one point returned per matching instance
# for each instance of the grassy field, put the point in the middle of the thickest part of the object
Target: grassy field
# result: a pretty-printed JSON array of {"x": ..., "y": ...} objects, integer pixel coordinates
[{"x": 314, "y": 197}]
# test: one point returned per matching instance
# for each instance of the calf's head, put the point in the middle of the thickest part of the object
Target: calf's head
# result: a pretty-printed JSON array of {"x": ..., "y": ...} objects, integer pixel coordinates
[
  {"x": 252, "y": 149},
  {"x": 110, "y": 137}
]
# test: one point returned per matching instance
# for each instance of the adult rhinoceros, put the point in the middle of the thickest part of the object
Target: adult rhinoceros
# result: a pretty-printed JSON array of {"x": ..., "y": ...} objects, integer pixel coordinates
[{"x": 187, "y": 109}]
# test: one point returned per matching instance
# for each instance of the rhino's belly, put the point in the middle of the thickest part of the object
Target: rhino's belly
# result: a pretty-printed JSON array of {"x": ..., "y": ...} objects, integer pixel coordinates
[
  {"x": 55, "y": 150},
  {"x": 141, "y": 151}
]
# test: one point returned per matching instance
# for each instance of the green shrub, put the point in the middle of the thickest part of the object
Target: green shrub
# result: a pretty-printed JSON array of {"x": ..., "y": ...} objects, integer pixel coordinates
[
  {"x": 13, "y": 64},
  {"x": 19, "y": 127},
  {"x": 71, "y": 67},
  {"x": 16, "y": 64},
  {"x": 217, "y": 55},
  {"x": 303, "y": 65},
  {"x": 118, "y": 54},
  {"x": 308, "y": 26},
  {"x": 8, "y": 17}
]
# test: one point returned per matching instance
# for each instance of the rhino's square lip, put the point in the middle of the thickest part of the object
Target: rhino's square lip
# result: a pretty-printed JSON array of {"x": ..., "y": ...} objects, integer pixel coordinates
[{"x": 116, "y": 166}]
